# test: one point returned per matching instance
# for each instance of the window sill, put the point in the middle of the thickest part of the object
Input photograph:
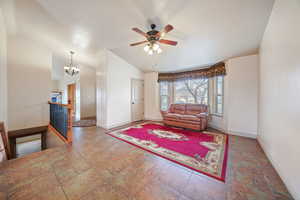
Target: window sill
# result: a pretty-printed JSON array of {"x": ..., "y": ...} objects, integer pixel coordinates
[{"x": 217, "y": 115}]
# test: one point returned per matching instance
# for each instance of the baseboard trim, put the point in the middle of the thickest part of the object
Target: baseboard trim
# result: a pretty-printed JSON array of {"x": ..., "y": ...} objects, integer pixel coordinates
[
  {"x": 242, "y": 134},
  {"x": 115, "y": 125},
  {"x": 232, "y": 132},
  {"x": 217, "y": 128},
  {"x": 153, "y": 119},
  {"x": 89, "y": 117},
  {"x": 277, "y": 168}
]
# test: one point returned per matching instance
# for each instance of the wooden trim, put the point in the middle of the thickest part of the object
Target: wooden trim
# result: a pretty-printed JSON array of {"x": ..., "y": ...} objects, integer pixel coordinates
[
  {"x": 27, "y": 131},
  {"x": 70, "y": 126},
  {"x": 65, "y": 105},
  {"x": 86, "y": 118},
  {"x": 52, "y": 129},
  {"x": 13, "y": 147},
  {"x": 13, "y": 135},
  {"x": 4, "y": 136},
  {"x": 72, "y": 98}
]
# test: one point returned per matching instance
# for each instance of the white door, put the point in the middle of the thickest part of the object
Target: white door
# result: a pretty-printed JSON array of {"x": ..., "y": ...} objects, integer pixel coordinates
[{"x": 137, "y": 100}]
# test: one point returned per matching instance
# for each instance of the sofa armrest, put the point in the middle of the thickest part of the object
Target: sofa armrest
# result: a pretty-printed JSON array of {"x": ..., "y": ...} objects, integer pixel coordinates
[
  {"x": 202, "y": 115},
  {"x": 163, "y": 113}
]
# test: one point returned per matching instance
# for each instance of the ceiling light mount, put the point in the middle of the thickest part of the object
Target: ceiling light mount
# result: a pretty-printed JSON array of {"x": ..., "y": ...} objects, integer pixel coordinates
[{"x": 153, "y": 26}]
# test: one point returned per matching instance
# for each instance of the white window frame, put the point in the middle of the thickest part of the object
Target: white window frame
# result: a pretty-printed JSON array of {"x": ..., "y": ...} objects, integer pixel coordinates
[
  {"x": 212, "y": 95},
  {"x": 208, "y": 91},
  {"x": 215, "y": 98},
  {"x": 168, "y": 96}
]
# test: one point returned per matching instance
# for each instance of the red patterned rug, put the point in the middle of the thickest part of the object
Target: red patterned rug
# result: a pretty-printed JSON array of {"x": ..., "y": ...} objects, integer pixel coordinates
[{"x": 205, "y": 152}]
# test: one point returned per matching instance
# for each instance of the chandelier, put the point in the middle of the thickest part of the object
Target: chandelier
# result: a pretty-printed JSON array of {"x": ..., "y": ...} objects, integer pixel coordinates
[
  {"x": 152, "y": 48},
  {"x": 71, "y": 69}
]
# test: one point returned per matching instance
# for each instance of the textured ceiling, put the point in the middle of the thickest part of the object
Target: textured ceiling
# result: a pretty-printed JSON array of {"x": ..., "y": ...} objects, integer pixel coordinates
[{"x": 208, "y": 31}]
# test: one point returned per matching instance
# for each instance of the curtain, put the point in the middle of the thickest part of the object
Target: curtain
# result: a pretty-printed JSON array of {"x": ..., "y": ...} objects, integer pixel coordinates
[{"x": 212, "y": 71}]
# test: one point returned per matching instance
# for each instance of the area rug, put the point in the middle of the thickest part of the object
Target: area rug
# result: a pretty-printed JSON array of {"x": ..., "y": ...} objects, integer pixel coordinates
[
  {"x": 205, "y": 152},
  {"x": 84, "y": 123}
]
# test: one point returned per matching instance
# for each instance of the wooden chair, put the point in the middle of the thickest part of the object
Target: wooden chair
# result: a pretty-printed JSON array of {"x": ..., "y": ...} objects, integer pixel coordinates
[{"x": 4, "y": 137}]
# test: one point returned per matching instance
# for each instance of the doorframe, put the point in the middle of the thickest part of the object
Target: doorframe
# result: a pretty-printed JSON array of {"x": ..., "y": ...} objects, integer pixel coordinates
[
  {"x": 131, "y": 107},
  {"x": 74, "y": 107}
]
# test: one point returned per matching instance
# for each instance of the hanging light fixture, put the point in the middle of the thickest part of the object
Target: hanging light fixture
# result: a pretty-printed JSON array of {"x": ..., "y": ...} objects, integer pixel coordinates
[
  {"x": 71, "y": 69},
  {"x": 152, "y": 48}
]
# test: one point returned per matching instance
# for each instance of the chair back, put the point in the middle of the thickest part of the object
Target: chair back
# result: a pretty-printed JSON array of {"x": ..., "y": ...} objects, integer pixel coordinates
[
  {"x": 177, "y": 108},
  {"x": 4, "y": 147},
  {"x": 194, "y": 109}
]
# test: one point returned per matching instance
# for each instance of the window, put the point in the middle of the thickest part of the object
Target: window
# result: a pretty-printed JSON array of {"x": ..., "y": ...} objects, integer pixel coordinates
[
  {"x": 164, "y": 95},
  {"x": 200, "y": 91},
  {"x": 219, "y": 95},
  {"x": 191, "y": 91}
]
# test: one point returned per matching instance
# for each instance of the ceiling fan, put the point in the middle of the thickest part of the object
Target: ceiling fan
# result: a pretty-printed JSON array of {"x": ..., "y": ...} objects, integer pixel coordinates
[{"x": 153, "y": 38}]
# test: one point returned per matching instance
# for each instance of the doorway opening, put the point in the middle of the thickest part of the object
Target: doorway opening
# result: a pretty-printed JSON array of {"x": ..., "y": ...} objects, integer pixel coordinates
[{"x": 72, "y": 99}]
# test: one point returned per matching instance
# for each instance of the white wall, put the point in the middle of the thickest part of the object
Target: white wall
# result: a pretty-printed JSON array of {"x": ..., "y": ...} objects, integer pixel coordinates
[
  {"x": 101, "y": 90},
  {"x": 55, "y": 85},
  {"x": 242, "y": 95},
  {"x": 87, "y": 92},
  {"x": 3, "y": 70},
  {"x": 119, "y": 75},
  {"x": 29, "y": 83},
  {"x": 240, "y": 98},
  {"x": 114, "y": 90},
  {"x": 152, "y": 101},
  {"x": 279, "y": 99}
]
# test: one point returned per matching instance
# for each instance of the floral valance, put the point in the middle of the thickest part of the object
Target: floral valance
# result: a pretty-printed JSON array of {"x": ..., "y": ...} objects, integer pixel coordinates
[{"x": 212, "y": 71}]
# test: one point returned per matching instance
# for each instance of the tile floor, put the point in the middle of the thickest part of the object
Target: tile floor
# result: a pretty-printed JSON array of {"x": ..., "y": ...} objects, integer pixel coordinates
[{"x": 98, "y": 166}]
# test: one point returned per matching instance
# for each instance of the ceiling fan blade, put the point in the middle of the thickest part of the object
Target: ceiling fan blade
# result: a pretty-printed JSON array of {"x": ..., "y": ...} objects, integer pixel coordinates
[
  {"x": 137, "y": 43},
  {"x": 169, "y": 42},
  {"x": 167, "y": 29},
  {"x": 140, "y": 32}
]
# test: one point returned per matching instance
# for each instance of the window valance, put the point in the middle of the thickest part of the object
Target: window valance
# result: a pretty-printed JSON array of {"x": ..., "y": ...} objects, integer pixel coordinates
[{"x": 212, "y": 71}]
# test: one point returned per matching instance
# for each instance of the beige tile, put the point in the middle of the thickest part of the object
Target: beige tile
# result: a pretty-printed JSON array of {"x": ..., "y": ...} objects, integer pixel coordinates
[
  {"x": 85, "y": 182},
  {"x": 98, "y": 166},
  {"x": 34, "y": 186},
  {"x": 176, "y": 177},
  {"x": 105, "y": 192},
  {"x": 52, "y": 194},
  {"x": 157, "y": 191},
  {"x": 207, "y": 187}
]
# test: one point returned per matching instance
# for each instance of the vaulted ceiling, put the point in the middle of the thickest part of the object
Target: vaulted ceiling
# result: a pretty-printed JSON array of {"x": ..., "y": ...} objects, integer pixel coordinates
[{"x": 208, "y": 31}]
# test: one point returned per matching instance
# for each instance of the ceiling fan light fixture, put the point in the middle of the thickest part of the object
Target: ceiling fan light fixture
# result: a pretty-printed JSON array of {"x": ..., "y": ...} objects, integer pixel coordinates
[
  {"x": 159, "y": 50},
  {"x": 147, "y": 48},
  {"x": 155, "y": 47},
  {"x": 154, "y": 39},
  {"x": 150, "y": 52}
]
